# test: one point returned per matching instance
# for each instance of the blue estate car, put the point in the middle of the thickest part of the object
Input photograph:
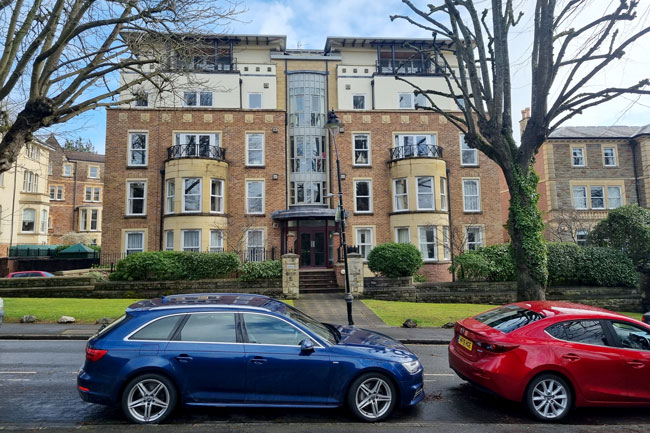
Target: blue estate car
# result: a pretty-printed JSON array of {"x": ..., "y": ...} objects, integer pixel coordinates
[{"x": 243, "y": 350}]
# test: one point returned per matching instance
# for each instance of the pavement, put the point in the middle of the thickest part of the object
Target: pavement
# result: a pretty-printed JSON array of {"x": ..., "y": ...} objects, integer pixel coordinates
[{"x": 325, "y": 307}]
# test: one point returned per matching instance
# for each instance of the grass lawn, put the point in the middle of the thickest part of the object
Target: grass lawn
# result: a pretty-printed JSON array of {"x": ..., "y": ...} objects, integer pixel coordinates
[
  {"x": 394, "y": 313},
  {"x": 83, "y": 310}
]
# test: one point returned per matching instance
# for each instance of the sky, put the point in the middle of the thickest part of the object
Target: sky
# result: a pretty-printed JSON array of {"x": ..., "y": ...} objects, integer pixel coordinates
[{"x": 307, "y": 24}]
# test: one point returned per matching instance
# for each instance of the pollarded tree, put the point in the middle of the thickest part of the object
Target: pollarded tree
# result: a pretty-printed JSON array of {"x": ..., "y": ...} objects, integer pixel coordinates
[
  {"x": 60, "y": 58},
  {"x": 565, "y": 63}
]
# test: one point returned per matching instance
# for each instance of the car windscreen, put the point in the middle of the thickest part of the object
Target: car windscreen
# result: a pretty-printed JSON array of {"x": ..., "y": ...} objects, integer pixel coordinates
[
  {"x": 509, "y": 318},
  {"x": 313, "y": 325}
]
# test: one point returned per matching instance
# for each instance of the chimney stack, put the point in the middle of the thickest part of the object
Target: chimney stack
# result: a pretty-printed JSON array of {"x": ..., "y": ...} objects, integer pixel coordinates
[{"x": 525, "y": 116}]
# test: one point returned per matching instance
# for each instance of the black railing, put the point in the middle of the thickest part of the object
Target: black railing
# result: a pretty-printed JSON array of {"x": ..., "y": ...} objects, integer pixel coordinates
[
  {"x": 410, "y": 67},
  {"x": 415, "y": 151},
  {"x": 339, "y": 252},
  {"x": 196, "y": 151}
]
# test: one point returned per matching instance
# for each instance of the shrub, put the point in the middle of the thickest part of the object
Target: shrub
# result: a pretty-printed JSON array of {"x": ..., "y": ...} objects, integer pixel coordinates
[
  {"x": 395, "y": 259},
  {"x": 266, "y": 270},
  {"x": 420, "y": 278},
  {"x": 567, "y": 264},
  {"x": 471, "y": 266},
  {"x": 174, "y": 265},
  {"x": 563, "y": 262},
  {"x": 606, "y": 267}
]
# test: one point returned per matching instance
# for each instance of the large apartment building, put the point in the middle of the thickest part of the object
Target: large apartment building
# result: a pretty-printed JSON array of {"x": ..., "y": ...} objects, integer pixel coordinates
[
  {"x": 585, "y": 171},
  {"x": 75, "y": 186},
  {"x": 238, "y": 157},
  {"x": 24, "y": 204}
]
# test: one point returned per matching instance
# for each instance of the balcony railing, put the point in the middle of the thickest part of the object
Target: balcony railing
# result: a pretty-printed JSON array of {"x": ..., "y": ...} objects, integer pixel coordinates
[
  {"x": 196, "y": 151},
  {"x": 415, "y": 151},
  {"x": 410, "y": 67}
]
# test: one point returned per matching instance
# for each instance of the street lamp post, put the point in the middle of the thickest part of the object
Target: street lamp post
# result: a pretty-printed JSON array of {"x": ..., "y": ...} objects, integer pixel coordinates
[{"x": 333, "y": 126}]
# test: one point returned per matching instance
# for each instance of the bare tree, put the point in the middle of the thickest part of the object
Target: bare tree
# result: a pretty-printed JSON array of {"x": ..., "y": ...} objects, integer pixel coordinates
[
  {"x": 565, "y": 62},
  {"x": 60, "y": 58},
  {"x": 566, "y": 224}
]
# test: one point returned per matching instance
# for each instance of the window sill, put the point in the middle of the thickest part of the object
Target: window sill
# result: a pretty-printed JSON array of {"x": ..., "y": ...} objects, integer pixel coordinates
[
  {"x": 136, "y": 167},
  {"x": 255, "y": 166},
  {"x": 432, "y": 211},
  {"x": 256, "y": 214},
  {"x": 470, "y": 166},
  {"x": 135, "y": 216},
  {"x": 362, "y": 165},
  {"x": 363, "y": 213},
  {"x": 473, "y": 212}
]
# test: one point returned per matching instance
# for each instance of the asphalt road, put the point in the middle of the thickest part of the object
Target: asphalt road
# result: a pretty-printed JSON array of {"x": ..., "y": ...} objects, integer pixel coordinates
[{"x": 37, "y": 391}]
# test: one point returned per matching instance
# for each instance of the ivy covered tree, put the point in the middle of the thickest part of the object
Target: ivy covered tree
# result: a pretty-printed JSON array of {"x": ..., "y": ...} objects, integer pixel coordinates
[{"x": 566, "y": 64}]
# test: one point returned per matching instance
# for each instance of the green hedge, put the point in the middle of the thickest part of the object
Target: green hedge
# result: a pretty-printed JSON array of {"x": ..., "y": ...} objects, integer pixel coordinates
[
  {"x": 267, "y": 270},
  {"x": 174, "y": 265},
  {"x": 568, "y": 264},
  {"x": 395, "y": 259}
]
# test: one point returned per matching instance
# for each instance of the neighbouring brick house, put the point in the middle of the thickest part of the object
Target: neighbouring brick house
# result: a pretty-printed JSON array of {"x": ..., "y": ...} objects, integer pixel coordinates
[
  {"x": 75, "y": 186},
  {"x": 585, "y": 171},
  {"x": 243, "y": 161}
]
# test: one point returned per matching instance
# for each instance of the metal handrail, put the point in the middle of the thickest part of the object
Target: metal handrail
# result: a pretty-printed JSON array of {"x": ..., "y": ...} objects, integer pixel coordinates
[
  {"x": 196, "y": 151},
  {"x": 415, "y": 151}
]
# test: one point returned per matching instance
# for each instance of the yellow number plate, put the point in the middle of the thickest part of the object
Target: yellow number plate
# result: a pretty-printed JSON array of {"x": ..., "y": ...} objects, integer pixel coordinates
[{"x": 467, "y": 344}]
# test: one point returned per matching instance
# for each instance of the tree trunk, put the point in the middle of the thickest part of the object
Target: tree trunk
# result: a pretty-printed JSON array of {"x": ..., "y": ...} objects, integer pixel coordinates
[
  {"x": 525, "y": 227},
  {"x": 35, "y": 115}
]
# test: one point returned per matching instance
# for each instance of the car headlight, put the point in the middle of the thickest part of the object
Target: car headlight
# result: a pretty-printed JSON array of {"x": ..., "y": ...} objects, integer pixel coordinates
[{"x": 412, "y": 366}]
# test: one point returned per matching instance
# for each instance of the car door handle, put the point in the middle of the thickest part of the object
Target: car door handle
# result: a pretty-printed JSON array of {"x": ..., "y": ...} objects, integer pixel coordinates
[
  {"x": 636, "y": 364},
  {"x": 571, "y": 357},
  {"x": 183, "y": 358},
  {"x": 258, "y": 360}
]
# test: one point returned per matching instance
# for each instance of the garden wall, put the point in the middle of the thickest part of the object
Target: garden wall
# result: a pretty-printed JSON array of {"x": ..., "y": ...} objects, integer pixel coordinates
[
  {"x": 85, "y": 287},
  {"x": 402, "y": 289}
]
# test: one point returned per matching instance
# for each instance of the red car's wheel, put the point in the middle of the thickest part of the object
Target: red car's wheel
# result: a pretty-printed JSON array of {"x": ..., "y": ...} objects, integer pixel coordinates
[{"x": 548, "y": 397}]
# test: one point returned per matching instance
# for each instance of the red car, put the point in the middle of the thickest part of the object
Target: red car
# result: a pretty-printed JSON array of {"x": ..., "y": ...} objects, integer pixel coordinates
[
  {"x": 29, "y": 274},
  {"x": 555, "y": 355}
]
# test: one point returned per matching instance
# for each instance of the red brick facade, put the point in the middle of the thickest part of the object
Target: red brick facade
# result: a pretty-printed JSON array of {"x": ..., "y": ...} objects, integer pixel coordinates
[{"x": 66, "y": 205}]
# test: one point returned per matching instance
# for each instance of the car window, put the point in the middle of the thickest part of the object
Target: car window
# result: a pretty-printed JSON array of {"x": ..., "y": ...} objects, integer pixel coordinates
[
  {"x": 160, "y": 329},
  {"x": 509, "y": 318},
  {"x": 632, "y": 336},
  {"x": 263, "y": 329},
  {"x": 579, "y": 331},
  {"x": 210, "y": 328}
]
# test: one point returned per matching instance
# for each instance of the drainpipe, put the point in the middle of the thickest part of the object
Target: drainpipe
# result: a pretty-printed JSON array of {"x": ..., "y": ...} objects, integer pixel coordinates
[
  {"x": 241, "y": 104},
  {"x": 372, "y": 93},
  {"x": 636, "y": 144},
  {"x": 451, "y": 231}
]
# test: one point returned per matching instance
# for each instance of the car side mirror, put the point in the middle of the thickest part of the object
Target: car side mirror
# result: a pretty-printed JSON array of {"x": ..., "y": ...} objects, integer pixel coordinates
[{"x": 306, "y": 345}]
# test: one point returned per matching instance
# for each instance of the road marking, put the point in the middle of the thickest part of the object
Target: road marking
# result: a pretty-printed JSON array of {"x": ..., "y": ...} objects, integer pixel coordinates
[
  {"x": 439, "y": 374},
  {"x": 18, "y": 372}
]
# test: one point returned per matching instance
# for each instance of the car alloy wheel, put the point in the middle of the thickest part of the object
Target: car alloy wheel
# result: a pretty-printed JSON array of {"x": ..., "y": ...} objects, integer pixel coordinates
[
  {"x": 148, "y": 399},
  {"x": 548, "y": 397},
  {"x": 372, "y": 397}
]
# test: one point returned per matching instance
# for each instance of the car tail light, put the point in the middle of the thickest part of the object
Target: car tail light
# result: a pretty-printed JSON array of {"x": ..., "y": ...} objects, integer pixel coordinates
[
  {"x": 94, "y": 355},
  {"x": 496, "y": 347}
]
